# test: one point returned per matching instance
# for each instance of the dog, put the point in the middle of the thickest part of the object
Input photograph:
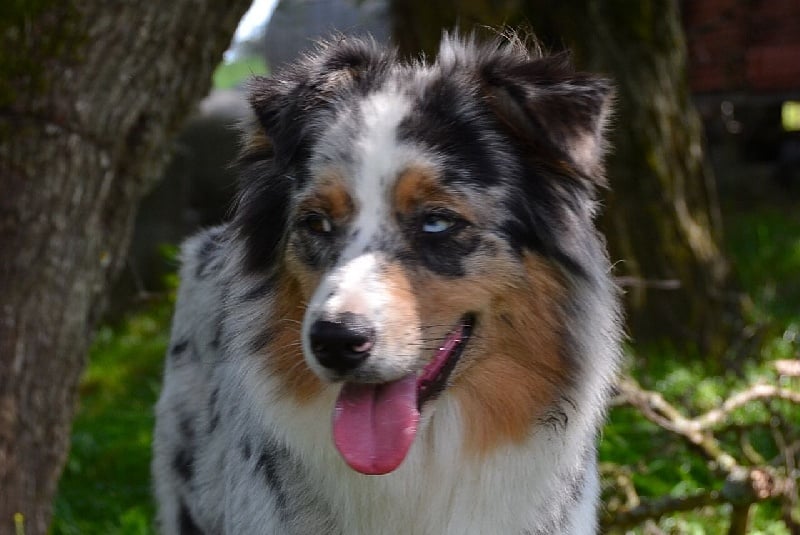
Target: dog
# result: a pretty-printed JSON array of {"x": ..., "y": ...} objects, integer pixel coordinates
[{"x": 409, "y": 323}]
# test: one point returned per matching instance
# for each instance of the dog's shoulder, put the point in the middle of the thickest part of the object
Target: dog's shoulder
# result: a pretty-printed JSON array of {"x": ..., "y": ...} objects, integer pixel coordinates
[
  {"x": 194, "y": 346},
  {"x": 197, "y": 322}
]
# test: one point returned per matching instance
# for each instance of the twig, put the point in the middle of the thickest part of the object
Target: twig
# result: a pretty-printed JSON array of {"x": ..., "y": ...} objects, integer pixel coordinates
[
  {"x": 656, "y": 508},
  {"x": 755, "y": 392},
  {"x": 743, "y": 486}
]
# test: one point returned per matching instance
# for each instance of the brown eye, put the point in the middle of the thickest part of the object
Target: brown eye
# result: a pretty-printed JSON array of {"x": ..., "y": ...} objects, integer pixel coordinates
[{"x": 317, "y": 224}]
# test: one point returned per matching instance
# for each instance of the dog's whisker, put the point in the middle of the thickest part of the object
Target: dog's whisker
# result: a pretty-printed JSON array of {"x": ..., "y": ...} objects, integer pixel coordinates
[{"x": 290, "y": 320}]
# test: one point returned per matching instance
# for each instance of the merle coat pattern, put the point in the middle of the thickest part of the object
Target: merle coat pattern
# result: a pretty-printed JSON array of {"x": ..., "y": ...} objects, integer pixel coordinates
[{"x": 442, "y": 205}]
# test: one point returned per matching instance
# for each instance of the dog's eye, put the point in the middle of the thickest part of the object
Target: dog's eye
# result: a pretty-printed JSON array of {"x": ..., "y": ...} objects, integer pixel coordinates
[
  {"x": 317, "y": 224},
  {"x": 435, "y": 223}
]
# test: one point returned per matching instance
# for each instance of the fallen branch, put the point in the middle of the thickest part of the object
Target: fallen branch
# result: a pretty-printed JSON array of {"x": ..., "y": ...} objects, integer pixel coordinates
[
  {"x": 756, "y": 392},
  {"x": 744, "y": 485},
  {"x": 656, "y": 508}
]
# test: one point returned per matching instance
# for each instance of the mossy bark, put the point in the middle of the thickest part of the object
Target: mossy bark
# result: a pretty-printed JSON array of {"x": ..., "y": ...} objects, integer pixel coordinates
[{"x": 91, "y": 93}]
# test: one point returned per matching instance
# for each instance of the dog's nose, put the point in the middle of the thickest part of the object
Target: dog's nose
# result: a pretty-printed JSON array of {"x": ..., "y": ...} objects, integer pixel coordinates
[{"x": 342, "y": 345}]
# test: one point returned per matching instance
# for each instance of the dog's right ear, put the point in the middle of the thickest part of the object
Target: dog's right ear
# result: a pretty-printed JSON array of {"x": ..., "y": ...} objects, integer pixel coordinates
[
  {"x": 292, "y": 106},
  {"x": 547, "y": 104}
]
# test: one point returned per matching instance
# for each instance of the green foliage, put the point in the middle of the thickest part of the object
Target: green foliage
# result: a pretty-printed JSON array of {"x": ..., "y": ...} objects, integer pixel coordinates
[
  {"x": 233, "y": 74},
  {"x": 765, "y": 248}
]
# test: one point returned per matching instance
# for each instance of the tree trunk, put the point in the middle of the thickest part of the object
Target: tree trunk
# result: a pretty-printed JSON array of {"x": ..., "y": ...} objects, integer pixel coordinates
[
  {"x": 661, "y": 215},
  {"x": 90, "y": 94},
  {"x": 417, "y": 24}
]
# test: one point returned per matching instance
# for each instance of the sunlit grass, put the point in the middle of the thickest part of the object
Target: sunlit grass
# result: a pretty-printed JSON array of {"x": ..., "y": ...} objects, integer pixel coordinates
[{"x": 233, "y": 74}]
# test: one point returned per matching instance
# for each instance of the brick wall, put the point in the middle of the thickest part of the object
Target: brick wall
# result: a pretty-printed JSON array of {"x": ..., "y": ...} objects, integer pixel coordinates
[{"x": 743, "y": 45}]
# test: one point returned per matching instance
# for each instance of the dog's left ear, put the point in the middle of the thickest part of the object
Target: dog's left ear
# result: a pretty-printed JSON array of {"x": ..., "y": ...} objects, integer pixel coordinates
[
  {"x": 547, "y": 105},
  {"x": 291, "y": 106}
]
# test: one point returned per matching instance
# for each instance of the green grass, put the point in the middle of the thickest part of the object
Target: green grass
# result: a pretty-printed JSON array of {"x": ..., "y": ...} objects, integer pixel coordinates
[
  {"x": 233, "y": 74},
  {"x": 106, "y": 490}
]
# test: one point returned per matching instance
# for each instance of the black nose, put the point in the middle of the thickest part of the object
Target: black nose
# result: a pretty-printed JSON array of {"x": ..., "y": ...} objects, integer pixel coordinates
[{"x": 344, "y": 344}]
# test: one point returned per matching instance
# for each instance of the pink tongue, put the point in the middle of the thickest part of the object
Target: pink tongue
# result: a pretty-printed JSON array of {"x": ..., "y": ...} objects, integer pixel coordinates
[{"x": 374, "y": 425}]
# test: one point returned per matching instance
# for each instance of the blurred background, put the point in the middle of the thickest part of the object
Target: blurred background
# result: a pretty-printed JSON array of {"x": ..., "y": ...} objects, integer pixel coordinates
[{"x": 702, "y": 218}]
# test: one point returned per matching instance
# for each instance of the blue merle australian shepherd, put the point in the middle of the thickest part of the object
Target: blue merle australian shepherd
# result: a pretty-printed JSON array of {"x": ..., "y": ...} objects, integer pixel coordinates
[{"x": 409, "y": 325}]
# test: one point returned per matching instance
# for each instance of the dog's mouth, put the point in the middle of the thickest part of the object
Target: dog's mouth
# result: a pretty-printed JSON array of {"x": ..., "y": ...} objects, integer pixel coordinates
[{"x": 374, "y": 425}]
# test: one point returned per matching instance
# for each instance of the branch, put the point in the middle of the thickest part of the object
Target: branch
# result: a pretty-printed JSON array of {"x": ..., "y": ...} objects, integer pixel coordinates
[
  {"x": 743, "y": 486},
  {"x": 656, "y": 508},
  {"x": 755, "y": 392}
]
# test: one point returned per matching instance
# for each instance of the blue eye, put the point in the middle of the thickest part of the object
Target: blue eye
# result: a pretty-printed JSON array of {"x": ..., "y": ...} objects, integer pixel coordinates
[{"x": 436, "y": 223}]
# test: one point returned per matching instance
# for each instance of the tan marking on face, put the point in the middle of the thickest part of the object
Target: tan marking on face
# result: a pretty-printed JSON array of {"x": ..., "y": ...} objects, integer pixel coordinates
[
  {"x": 519, "y": 368},
  {"x": 513, "y": 367},
  {"x": 284, "y": 351},
  {"x": 418, "y": 187},
  {"x": 330, "y": 197},
  {"x": 404, "y": 316}
]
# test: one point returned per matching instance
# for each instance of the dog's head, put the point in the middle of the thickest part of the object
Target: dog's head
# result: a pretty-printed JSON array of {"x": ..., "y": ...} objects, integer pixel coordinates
[{"x": 431, "y": 219}]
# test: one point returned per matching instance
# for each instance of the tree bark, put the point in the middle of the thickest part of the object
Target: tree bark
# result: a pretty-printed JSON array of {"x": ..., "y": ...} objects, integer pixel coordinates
[
  {"x": 90, "y": 94},
  {"x": 417, "y": 24},
  {"x": 661, "y": 214}
]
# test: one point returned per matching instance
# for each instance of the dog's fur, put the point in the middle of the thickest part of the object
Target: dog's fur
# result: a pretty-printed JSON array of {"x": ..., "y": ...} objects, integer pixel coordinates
[{"x": 417, "y": 197}]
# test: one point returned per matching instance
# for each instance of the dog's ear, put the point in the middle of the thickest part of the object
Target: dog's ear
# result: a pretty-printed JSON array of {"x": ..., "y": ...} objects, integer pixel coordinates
[
  {"x": 547, "y": 105},
  {"x": 291, "y": 106}
]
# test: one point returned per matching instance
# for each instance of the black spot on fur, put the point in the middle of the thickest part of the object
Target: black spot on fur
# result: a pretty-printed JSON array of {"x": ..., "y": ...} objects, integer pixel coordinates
[
  {"x": 186, "y": 428},
  {"x": 246, "y": 448},
  {"x": 260, "y": 340},
  {"x": 213, "y": 420},
  {"x": 207, "y": 254},
  {"x": 186, "y": 523},
  {"x": 260, "y": 291},
  {"x": 179, "y": 347},
  {"x": 216, "y": 340},
  {"x": 267, "y": 465},
  {"x": 439, "y": 121},
  {"x": 183, "y": 464}
]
